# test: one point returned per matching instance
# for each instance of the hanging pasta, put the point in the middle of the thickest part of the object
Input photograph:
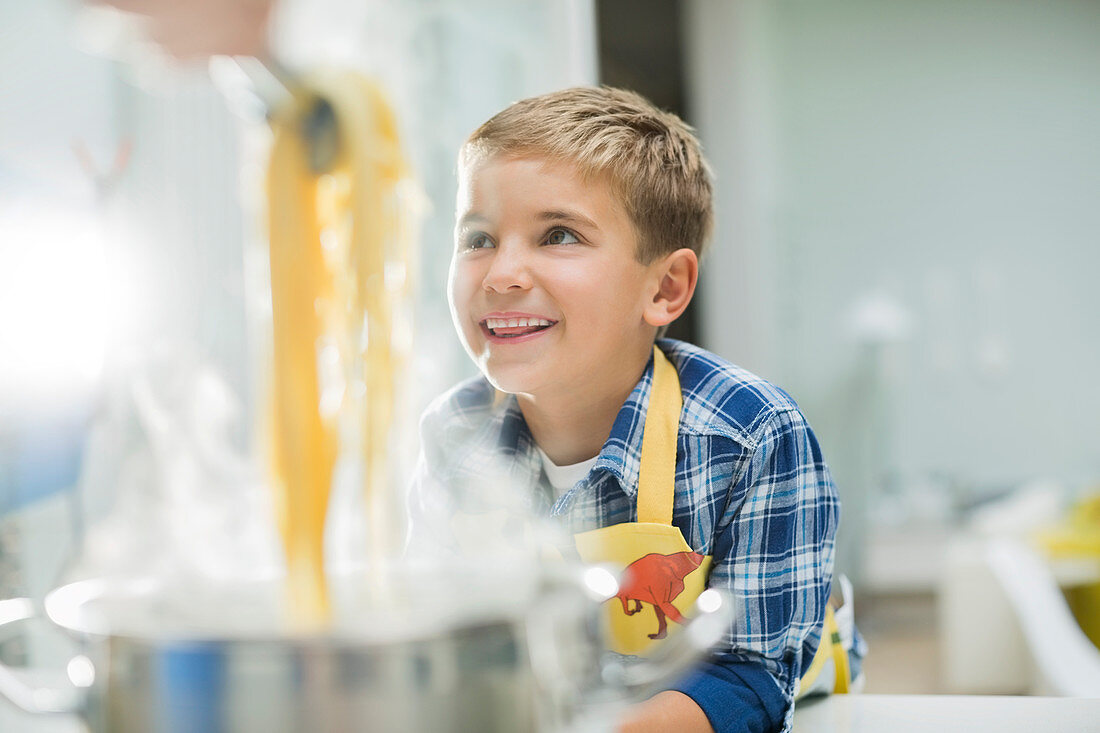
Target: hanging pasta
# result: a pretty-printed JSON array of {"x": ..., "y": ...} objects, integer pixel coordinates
[{"x": 341, "y": 262}]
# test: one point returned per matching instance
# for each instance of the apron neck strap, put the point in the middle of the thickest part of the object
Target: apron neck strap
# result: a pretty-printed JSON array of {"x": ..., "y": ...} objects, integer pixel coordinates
[{"x": 657, "y": 474}]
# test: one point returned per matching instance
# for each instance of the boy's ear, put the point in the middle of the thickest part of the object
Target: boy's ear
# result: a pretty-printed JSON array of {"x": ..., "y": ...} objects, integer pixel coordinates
[{"x": 677, "y": 275}]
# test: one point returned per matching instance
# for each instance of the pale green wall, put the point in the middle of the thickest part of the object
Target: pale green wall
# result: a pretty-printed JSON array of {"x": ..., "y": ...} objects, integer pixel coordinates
[{"x": 946, "y": 156}]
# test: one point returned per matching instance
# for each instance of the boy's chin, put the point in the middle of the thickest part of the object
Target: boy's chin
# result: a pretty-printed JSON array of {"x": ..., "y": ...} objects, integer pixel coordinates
[
  {"x": 504, "y": 384},
  {"x": 509, "y": 381},
  {"x": 519, "y": 377}
]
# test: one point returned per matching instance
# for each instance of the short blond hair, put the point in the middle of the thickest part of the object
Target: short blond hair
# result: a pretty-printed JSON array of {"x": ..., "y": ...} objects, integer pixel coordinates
[{"x": 652, "y": 159}]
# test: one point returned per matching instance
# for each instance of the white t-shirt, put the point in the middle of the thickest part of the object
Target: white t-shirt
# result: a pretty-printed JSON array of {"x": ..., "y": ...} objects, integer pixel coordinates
[{"x": 563, "y": 478}]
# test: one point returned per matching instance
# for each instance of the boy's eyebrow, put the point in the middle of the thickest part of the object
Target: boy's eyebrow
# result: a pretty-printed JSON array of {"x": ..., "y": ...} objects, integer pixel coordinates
[
  {"x": 471, "y": 218},
  {"x": 567, "y": 216},
  {"x": 571, "y": 217}
]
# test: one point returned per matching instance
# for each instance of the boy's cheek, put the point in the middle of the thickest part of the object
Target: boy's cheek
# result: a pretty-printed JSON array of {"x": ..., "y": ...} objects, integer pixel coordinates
[
  {"x": 456, "y": 286},
  {"x": 464, "y": 283}
]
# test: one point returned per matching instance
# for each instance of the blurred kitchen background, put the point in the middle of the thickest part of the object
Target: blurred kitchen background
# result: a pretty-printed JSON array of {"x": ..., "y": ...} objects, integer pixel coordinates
[{"x": 907, "y": 241}]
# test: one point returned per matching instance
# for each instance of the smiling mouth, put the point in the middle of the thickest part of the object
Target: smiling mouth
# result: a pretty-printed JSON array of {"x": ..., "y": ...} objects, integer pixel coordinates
[{"x": 515, "y": 327}]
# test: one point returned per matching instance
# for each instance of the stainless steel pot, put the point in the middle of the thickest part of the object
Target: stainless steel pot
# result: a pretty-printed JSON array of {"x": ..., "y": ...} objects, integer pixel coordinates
[{"x": 530, "y": 665}]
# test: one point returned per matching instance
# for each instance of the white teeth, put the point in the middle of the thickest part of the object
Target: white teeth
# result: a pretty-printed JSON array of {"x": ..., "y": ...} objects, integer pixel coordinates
[{"x": 515, "y": 322}]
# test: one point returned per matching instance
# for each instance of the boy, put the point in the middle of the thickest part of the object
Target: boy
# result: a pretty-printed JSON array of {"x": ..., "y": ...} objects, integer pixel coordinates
[{"x": 581, "y": 217}]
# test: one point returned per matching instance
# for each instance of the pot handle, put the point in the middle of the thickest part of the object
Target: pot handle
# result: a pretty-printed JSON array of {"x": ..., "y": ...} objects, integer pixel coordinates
[
  {"x": 641, "y": 678},
  {"x": 41, "y": 700},
  {"x": 577, "y": 681}
]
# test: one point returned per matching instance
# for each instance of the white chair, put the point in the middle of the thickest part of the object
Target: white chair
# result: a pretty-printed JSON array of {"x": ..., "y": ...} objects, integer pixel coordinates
[{"x": 1066, "y": 661}]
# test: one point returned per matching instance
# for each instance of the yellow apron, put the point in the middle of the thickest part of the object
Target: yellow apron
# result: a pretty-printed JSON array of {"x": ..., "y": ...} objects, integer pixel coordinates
[
  {"x": 831, "y": 659},
  {"x": 662, "y": 575}
]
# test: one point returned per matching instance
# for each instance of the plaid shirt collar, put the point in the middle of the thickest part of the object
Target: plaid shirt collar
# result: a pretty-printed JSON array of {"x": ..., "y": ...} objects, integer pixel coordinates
[
  {"x": 506, "y": 434},
  {"x": 621, "y": 455}
]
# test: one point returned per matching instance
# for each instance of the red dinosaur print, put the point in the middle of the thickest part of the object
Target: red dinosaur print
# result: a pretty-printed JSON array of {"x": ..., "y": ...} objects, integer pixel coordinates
[{"x": 657, "y": 579}]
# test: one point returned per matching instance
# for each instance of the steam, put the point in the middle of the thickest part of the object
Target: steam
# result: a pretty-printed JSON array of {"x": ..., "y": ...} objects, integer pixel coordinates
[{"x": 165, "y": 491}]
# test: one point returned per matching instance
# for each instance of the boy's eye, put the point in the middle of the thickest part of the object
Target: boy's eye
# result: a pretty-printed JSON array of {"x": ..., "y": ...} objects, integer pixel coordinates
[
  {"x": 477, "y": 241},
  {"x": 561, "y": 236}
]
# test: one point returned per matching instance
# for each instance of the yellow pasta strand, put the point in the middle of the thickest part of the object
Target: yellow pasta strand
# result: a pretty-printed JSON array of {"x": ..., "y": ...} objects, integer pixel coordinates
[{"x": 340, "y": 261}]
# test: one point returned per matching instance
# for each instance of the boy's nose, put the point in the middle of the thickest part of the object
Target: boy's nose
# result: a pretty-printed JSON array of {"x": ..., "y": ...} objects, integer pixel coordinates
[{"x": 508, "y": 270}]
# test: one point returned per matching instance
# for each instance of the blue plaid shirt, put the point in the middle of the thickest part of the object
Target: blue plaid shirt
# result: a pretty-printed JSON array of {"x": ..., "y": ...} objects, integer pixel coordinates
[{"x": 752, "y": 490}]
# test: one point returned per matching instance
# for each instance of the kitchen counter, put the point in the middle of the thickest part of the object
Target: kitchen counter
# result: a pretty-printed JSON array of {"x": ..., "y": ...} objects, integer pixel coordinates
[
  {"x": 837, "y": 714},
  {"x": 13, "y": 720},
  {"x": 945, "y": 714}
]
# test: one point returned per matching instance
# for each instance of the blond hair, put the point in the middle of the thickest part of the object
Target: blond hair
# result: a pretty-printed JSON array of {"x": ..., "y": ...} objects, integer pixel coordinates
[{"x": 652, "y": 159}]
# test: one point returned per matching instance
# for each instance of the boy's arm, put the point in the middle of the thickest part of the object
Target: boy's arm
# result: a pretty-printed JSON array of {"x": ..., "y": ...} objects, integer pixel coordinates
[
  {"x": 738, "y": 697},
  {"x": 669, "y": 711},
  {"x": 773, "y": 554}
]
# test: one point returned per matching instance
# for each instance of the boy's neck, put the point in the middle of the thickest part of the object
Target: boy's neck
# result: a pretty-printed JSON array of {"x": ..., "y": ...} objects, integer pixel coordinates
[{"x": 573, "y": 427}]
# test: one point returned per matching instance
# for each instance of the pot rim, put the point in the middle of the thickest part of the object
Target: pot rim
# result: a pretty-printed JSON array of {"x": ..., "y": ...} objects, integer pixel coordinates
[{"x": 72, "y": 607}]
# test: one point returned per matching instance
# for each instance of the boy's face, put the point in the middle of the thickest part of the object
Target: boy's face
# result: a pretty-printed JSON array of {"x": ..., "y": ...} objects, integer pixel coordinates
[{"x": 545, "y": 289}]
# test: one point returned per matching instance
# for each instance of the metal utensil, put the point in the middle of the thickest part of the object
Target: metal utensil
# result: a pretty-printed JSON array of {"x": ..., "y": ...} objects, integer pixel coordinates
[{"x": 252, "y": 83}]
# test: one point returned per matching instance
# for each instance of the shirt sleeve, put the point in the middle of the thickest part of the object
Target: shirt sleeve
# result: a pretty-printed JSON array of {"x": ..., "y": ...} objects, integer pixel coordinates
[
  {"x": 736, "y": 696},
  {"x": 773, "y": 553},
  {"x": 464, "y": 498},
  {"x": 429, "y": 502}
]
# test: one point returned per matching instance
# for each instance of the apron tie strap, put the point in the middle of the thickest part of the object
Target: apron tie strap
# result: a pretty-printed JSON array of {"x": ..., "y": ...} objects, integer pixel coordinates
[{"x": 657, "y": 480}]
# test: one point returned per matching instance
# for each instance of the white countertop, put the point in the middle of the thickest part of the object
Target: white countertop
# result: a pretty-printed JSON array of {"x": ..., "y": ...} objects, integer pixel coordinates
[
  {"x": 13, "y": 720},
  {"x": 837, "y": 714},
  {"x": 946, "y": 713}
]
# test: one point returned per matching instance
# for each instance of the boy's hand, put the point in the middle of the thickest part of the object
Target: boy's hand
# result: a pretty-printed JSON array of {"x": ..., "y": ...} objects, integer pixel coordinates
[
  {"x": 669, "y": 711},
  {"x": 197, "y": 29}
]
